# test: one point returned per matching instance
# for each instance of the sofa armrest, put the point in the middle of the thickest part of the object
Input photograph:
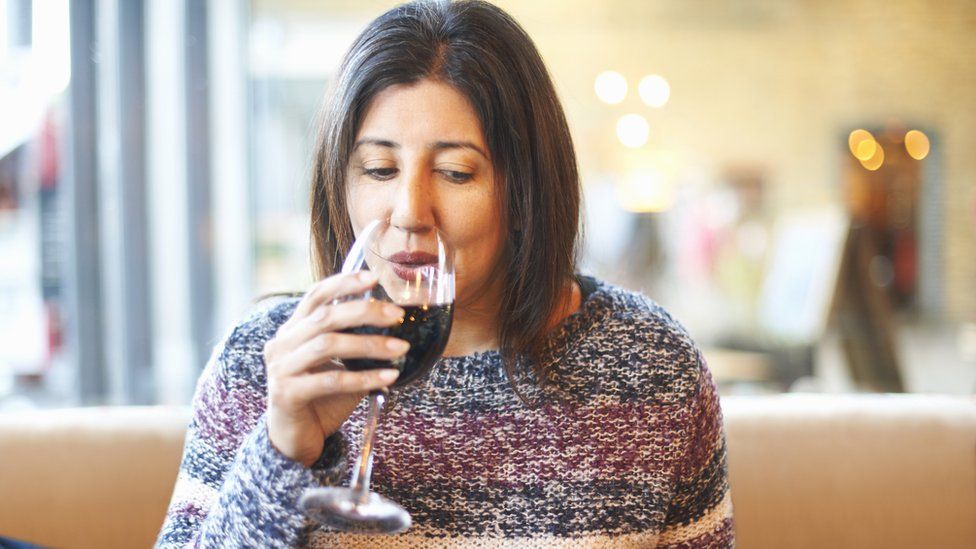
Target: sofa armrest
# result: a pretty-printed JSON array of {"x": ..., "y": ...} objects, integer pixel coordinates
[
  {"x": 89, "y": 477},
  {"x": 853, "y": 470}
]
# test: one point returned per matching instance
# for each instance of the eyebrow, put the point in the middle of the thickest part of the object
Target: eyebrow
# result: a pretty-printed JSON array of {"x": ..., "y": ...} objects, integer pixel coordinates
[
  {"x": 437, "y": 146},
  {"x": 441, "y": 145}
]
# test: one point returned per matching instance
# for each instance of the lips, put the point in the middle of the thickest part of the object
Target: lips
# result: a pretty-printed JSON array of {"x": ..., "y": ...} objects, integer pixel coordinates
[{"x": 405, "y": 264}]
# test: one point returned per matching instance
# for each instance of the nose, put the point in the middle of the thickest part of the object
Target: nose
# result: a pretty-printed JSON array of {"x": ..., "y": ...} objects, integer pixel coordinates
[{"x": 413, "y": 204}]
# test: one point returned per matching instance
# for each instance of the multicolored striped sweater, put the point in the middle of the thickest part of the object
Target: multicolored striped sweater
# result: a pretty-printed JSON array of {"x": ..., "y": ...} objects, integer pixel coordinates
[{"x": 623, "y": 446}]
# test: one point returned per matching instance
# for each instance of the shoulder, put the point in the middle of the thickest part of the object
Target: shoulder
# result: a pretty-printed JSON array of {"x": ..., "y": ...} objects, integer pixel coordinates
[
  {"x": 229, "y": 395},
  {"x": 635, "y": 350},
  {"x": 260, "y": 323},
  {"x": 630, "y": 313},
  {"x": 240, "y": 354}
]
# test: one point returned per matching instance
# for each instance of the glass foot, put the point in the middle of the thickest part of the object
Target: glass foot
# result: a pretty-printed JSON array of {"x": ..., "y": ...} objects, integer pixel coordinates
[{"x": 341, "y": 509}]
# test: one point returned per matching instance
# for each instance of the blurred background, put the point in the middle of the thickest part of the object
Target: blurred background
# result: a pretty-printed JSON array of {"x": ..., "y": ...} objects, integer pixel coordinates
[{"x": 793, "y": 179}]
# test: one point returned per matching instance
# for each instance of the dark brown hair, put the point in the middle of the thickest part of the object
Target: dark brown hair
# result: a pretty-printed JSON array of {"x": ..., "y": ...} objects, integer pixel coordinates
[{"x": 484, "y": 54}]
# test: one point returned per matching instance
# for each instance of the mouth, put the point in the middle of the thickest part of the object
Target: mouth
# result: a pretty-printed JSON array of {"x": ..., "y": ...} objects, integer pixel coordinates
[{"x": 408, "y": 265}]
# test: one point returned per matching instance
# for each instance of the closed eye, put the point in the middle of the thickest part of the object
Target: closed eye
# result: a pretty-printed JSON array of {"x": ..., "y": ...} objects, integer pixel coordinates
[
  {"x": 456, "y": 176},
  {"x": 380, "y": 174}
]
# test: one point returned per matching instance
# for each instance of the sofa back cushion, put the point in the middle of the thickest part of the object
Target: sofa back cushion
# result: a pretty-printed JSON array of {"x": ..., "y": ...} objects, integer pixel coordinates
[{"x": 806, "y": 471}]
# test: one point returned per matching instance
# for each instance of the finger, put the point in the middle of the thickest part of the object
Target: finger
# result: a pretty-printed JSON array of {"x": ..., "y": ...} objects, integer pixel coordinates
[
  {"x": 337, "y": 382},
  {"x": 342, "y": 316},
  {"x": 331, "y": 318},
  {"x": 321, "y": 349},
  {"x": 333, "y": 287}
]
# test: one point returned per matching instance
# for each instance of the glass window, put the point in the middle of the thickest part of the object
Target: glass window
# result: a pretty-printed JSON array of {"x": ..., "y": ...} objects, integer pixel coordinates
[{"x": 34, "y": 72}]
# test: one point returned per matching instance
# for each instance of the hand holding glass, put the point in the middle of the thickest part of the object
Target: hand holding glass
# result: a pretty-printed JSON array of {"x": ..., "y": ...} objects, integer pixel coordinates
[{"x": 415, "y": 270}]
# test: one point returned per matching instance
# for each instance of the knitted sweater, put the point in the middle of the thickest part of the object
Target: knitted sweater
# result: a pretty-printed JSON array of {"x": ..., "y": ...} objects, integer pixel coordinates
[{"x": 622, "y": 447}]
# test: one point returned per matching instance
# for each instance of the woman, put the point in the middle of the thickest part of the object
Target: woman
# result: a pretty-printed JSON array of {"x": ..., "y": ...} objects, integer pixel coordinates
[{"x": 565, "y": 412}]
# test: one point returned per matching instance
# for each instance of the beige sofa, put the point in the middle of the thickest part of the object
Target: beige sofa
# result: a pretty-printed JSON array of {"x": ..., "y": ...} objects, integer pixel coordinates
[{"x": 806, "y": 471}]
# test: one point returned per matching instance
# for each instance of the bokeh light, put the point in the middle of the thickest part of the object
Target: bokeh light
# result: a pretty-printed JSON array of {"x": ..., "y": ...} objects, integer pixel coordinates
[
  {"x": 876, "y": 160},
  {"x": 611, "y": 87},
  {"x": 645, "y": 191},
  {"x": 866, "y": 149},
  {"x": 855, "y": 139},
  {"x": 917, "y": 144},
  {"x": 633, "y": 130},
  {"x": 654, "y": 90}
]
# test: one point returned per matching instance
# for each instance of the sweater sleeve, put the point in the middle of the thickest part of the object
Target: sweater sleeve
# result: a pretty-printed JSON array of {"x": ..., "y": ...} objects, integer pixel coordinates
[
  {"x": 234, "y": 489},
  {"x": 700, "y": 512}
]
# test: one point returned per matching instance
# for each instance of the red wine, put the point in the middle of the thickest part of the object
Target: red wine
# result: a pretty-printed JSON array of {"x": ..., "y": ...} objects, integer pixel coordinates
[{"x": 425, "y": 327}]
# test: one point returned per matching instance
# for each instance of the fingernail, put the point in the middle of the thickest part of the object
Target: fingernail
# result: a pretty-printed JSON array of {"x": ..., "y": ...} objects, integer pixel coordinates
[
  {"x": 392, "y": 311},
  {"x": 398, "y": 345},
  {"x": 366, "y": 277},
  {"x": 388, "y": 375}
]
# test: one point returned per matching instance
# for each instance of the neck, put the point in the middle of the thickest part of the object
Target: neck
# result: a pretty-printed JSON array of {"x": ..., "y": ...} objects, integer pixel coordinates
[
  {"x": 470, "y": 334},
  {"x": 475, "y": 326}
]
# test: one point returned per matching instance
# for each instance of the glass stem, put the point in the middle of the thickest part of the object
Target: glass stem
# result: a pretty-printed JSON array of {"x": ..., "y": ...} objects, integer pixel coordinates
[{"x": 360, "y": 479}]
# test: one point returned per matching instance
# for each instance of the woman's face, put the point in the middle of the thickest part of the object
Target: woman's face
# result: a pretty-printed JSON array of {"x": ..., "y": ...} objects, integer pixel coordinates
[{"x": 421, "y": 161}]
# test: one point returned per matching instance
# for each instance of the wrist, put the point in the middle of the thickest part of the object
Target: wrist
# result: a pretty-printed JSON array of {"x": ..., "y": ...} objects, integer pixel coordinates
[{"x": 293, "y": 447}]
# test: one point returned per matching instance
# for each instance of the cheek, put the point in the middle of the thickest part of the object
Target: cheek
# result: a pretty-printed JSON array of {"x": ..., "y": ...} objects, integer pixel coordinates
[
  {"x": 480, "y": 236},
  {"x": 364, "y": 206}
]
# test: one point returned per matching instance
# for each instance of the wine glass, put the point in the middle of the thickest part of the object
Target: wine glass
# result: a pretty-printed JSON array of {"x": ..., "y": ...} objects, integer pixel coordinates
[{"x": 415, "y": 271}]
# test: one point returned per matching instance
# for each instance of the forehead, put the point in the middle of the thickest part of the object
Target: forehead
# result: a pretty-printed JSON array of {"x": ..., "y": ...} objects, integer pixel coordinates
[{"x": 422, "y": 112}]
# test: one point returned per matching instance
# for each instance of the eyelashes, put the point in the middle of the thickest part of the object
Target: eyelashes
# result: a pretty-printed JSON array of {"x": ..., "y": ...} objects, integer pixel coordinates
[
  {"x": 380, "y": 174},
  {"x": 386, "y": 174},
  {"x": 456, "y": 176}
]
